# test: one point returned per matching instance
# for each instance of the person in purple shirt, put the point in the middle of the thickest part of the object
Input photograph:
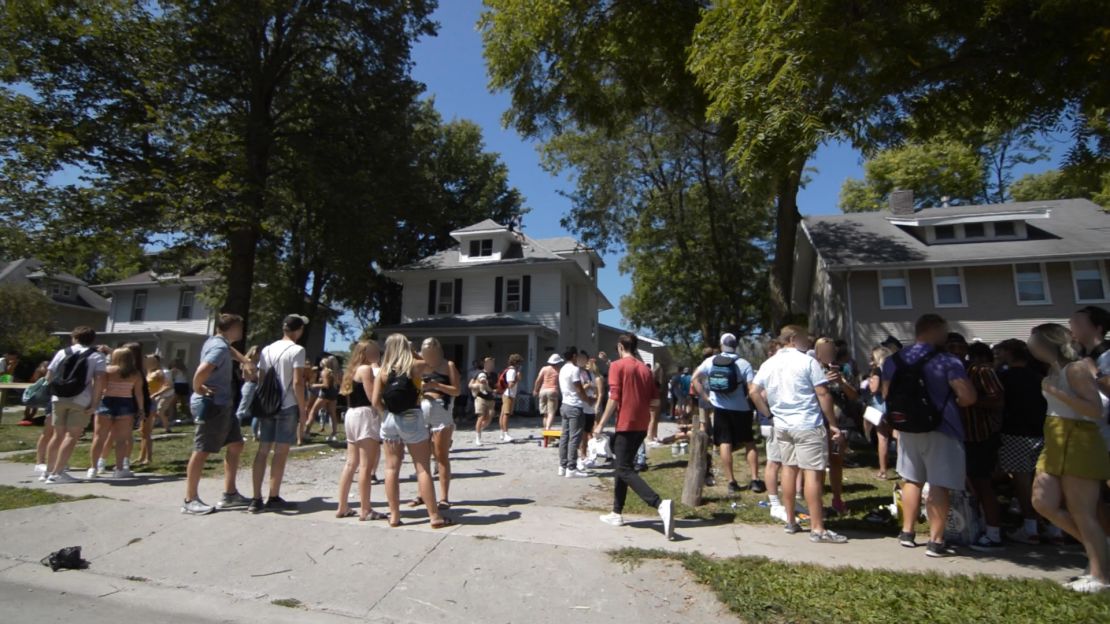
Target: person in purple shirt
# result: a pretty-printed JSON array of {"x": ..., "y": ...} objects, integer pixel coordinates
[{"x": 934, "y": 457}]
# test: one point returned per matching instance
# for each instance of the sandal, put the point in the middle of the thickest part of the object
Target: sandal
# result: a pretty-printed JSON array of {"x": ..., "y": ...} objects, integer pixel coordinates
[
  {"x": 444, "y": 504},
  {"x": 374, "y": 515},
  {"x": 416, "y": 502},
  {"x": 881, "y": 475},
  {"x": 394, "y": 523},
  {"x": 443, "y": 523},
  {"x": 345, "y": 514}
]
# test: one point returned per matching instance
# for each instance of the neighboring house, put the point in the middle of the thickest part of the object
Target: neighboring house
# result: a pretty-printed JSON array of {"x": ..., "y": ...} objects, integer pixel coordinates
[
  {"x": 651, "y": 350},
  {"x": 993, "y": 271},
  {"x": 502, "y": 292},
  {"x": 74, "y": 303}
]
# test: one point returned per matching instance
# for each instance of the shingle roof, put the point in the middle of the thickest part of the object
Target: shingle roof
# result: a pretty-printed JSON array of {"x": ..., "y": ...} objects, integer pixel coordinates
[
  {"x": 531, "y": 252},
  {"x": 149, "y": 278},
  {"x": 463, "y": 322},
  {"x": 560, "y": 244},
  {"x": 25, "y": 270},
  {"x": 483, "y": 226},
  {"x": 1076, "y": 227}
]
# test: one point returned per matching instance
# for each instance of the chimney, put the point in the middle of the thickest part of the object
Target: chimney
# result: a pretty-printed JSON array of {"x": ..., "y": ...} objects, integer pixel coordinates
[{"x": 901, "y": 202}]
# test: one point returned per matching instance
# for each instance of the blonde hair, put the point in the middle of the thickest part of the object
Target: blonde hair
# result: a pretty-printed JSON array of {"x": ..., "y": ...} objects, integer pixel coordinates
[
  {"x": 124, "y": 361},
  {"x": 398, "y": 356},
  {"x": 431, "y": 343},
  {"x": 1056, "y": 338},
  {"x": 360, "y": 355},
  {"x": 878, "y": 356},
  {"x": 789, "y": 332},
  {"x": 254, "y": 354}
]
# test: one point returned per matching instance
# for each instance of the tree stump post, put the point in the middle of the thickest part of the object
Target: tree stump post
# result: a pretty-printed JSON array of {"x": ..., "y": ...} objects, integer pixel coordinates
[{"x": 696, "y": 466}]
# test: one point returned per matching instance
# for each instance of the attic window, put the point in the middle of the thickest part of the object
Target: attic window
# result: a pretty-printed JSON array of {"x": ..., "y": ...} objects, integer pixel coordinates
[
  {"x": 483, "y": 247},
  {"x": 975, "y": 230},
  {"x": 945, "y": 232},
  {"x": 1005, "y": 228}
]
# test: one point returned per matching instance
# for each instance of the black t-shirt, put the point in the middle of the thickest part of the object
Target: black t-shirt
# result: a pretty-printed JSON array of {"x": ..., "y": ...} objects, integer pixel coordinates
[{"x": 1025, "y": 406}]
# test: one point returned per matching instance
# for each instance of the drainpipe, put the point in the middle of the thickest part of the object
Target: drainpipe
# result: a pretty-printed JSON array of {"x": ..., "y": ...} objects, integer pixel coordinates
[{"x": 851, "y": 319}]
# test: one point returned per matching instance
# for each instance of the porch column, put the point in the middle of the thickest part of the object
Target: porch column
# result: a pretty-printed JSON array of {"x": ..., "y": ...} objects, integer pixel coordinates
[
  {"x": 532, "y": 349},
  {"x": 471, "y": 351}
]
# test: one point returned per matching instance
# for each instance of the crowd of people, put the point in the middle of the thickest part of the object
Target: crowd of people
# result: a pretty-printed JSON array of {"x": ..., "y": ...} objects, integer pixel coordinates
[{"x": 962, "y": 416}]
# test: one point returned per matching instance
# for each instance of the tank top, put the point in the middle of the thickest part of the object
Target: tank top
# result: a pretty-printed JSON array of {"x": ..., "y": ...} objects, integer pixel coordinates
[
  {"x": 550, "y": 378},
  {"x": 358, "y": 397},
  {"x": 121, "y": 389},
  {"x": 156, "y": 382},
  {"x": 439, "y": 377},
  {"x": 1056, "y": 407}
]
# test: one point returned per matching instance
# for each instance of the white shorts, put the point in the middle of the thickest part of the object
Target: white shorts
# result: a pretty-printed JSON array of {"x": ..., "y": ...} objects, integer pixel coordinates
[
  {"x": 436, "y": 415},
  {"x": 935, "y": 458},
  {"x": 362, "y": 423},
  {"x": 807, "y": 449},
  {"x": 408, "y": 427},
  {"x": 768, "y": 433}
]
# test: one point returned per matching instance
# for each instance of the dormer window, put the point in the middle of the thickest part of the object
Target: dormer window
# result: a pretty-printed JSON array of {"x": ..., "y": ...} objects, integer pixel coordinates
[
  {"x": 975, "y": 230},
  {"x": 945, "y": 232},
  {"x": 1004, "y": 229},
  {"x": 481, "y": 248}
]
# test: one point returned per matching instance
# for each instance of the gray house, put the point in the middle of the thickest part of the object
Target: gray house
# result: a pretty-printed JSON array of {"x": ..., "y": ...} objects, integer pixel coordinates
[
  {"x": 993, "y": 271},
  {"x": 74, "y": 303}
]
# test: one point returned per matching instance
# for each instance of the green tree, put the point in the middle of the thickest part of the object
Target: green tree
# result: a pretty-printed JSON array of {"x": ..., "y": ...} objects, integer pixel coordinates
[
  {"x": 933, "y": 171},
  {"x": 25, "y": 325}
]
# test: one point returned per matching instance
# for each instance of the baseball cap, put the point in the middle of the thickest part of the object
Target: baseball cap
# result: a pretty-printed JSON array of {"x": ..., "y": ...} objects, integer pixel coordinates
[
  {"x": 293, "y": 322},
  {"x": 728, "y": 343},
  {"x": 891, "y": 342},
  {"x": 555, "y": 359}
]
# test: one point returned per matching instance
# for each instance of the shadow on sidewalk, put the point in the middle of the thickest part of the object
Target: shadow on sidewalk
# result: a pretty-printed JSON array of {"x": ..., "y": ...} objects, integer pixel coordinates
[
  {"x": 137, "y": 480},
  {"x": 481, "y": 474}
]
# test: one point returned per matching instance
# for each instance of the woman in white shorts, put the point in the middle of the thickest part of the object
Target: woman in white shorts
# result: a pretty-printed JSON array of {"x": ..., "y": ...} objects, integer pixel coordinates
[
  {"x": 363, "y": 427},
  {"x": 439, "y": 388},
  {"x": 397, "y": 393}
]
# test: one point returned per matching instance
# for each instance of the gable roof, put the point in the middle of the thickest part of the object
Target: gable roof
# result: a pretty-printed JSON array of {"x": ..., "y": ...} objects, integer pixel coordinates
[
  {"x": 150, "y": 278},
  {"x": 531, "y": 252},
  {"x": 482, "y": 226},
  {"x": 1075, "y": 228},
  {"x": 30, "y": 270}
]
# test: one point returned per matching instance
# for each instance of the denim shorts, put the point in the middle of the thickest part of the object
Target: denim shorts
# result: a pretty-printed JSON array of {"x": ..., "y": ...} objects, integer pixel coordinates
[
  {"x": 117, "y": 407},
  {"x": 281, "y": 429},
  {"x": 409, "y": 427}
]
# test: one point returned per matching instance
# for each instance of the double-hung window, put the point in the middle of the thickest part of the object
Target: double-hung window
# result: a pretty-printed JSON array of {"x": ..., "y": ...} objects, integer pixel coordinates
[
  {"x": 948, "y": 288},
  {"x": 1030, "y": 284},
  {"x": 894, "y": 290},
  {"x": 1089, "y": 277}
]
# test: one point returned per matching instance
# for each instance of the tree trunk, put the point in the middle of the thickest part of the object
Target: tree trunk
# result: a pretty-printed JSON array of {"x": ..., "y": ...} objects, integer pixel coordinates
[
  {"x": 696, "y": 467},
  {"x": 242, "y": 244},
  {"x": 786, "y": 226}
]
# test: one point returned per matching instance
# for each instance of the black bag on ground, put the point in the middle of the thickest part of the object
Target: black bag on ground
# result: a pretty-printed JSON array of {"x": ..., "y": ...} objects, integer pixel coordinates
[
  {"x": 68, "y": 558},
  {"x": 908, "y": 406},
  {"x": 269, "y": 395},
  {"x": 75, "y": 374}
]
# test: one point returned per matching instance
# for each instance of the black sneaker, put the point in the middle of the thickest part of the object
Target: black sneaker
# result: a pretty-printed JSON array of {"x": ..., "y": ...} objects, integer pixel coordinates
[
  {"x": 939, "y": 550},
  {"x": 277, "y": 503},
  {"x": 733, "y": 487},
  {"x": 907, "y": 539},
  {"x": 256, "y": 505},
  {"x": 758, "y": 486},
  {"x": 235, "y": 500},
  {"x": 710, "y": 481}
]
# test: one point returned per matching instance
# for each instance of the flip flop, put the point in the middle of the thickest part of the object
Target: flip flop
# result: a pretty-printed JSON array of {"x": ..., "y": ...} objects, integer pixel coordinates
[
  {"x": 416, "y": 502},
  {"x": 346, "y": 514},
  {"x": 443, "y": 523},
  {"x": 444, "y": 504},
  {"x": 374, "y": 515}
]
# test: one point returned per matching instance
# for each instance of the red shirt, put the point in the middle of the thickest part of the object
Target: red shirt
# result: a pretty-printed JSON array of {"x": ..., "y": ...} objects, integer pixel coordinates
[{"x": 632, "y": 385}]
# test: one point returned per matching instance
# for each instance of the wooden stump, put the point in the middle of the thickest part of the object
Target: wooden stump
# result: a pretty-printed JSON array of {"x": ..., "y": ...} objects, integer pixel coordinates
[{"x": 696, "y": 467}]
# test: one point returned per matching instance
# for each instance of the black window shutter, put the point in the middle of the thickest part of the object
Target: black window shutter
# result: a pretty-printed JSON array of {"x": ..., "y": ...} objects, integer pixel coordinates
[
  {"x": 526, "y": 295},
  {"x": 458, "y": 296},
  {"x": 432, "y": 297},
  {"x": 498, "y": 285}
]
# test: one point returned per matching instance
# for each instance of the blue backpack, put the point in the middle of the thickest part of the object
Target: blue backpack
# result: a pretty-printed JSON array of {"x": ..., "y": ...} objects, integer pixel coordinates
[{"x": 724, "y": 376}]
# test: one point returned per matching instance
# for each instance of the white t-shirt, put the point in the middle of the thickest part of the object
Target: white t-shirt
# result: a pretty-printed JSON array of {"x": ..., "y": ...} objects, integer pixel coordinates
[
  {"x": 287, "y": 359},
  {"x": 95, "y": 365},
  {"x": 791, "y": 379},
  {"x": 510, "y": 377},
  {"x": 569, "y": 375}
]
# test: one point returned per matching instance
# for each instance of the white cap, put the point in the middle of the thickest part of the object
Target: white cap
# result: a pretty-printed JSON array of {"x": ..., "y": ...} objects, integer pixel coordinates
[
  {"x": 555, "y": 359},
  {"x": 728, "y": 343}
]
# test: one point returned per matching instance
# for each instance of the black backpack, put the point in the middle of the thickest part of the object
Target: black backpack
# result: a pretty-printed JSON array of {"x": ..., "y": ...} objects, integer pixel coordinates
[
  {"x": 269, "y": 395},
  {"x": 399, "y": 394},
  {"x": 75, "y": 374},
  {"x": 908, "y": 406},
  {"x": 724, "y": 376}
]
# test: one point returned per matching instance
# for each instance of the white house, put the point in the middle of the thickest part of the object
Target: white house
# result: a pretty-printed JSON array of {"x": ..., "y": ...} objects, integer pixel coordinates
[{"x": 502, "y": 292}]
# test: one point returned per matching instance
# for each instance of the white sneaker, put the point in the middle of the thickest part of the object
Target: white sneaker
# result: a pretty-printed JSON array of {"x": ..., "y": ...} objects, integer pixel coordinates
[
  {"x": 666, "y": 512},
  {"x": 576, "y": 474},
  {"x": 562, "y": 471},
  {"x": 43, "y": 477},
  {"x": 612, "y": 519},
  {"x": 101, "y": 465},
  {"x": 589, "y": 463},
  {"x": 61, "y": 478},
  {"x": 91, "y": 473},
  {"x": 127, "y": 464},
  {"x": 506, "y": 437},
  {"x": 1087, "y": 585},
  {"x": 124, "y": 473},
  {"x": 478, "y": 441},
  {"x": 778, "y": 512},
  {"x": 40, "y": 469},
  {"x": 581, "y": 464}
]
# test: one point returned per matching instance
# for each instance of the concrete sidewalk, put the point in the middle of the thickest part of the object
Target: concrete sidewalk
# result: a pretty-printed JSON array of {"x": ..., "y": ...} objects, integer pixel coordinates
[{"x": 524, "y": 549}]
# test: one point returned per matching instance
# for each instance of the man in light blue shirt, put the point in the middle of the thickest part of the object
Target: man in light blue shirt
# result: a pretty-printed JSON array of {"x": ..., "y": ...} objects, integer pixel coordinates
[{"x": 722, "y": 381}]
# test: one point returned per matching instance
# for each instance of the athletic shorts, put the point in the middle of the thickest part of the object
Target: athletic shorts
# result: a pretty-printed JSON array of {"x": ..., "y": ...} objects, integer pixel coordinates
[
  {"x": 69, "y": 415},
  {"x": 807, "y": 449},
  {"x": 483, "y": 406},
  {"x": 773, "y": 452},
  {"x": 934, "y": 457},
  {"x": 281, "y": 428},
  {"x": 588, "y": 422},
  {"x": 732, "y": 427},
  {"x": 408, "y": 427},
  {"x": 362, "y": 423},
  {"x": 117, "y": 407},
  {"x": 982, "y": 457},
  {"x": 436, "y": 415},
  {"x": 217, "y": 427}
]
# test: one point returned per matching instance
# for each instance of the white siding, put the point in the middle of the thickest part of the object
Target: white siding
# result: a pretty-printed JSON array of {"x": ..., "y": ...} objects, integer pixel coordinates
[
  {"x": 478, "y": 290},
  {"x": 161, "y": 312}
]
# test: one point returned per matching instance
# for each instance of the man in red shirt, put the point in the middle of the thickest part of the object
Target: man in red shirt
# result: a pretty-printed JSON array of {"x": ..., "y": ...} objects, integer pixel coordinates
[{"x": 631, "y": 390}]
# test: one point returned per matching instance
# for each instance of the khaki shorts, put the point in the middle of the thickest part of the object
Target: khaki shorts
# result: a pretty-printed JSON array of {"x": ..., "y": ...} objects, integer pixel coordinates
[
  {"x": 549, "y": 402},
  {"x": 69, "y": 415},
  {"x": 483, "y": 406},
  {"x": 507, "y": 405},
  {"x": 807, "y": 449}
]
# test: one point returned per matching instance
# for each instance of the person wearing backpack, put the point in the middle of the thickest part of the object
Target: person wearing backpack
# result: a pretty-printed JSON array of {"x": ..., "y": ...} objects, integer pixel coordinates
[
  {"x": 508, "y": 387},
  {"x": 77, "y": 377},
  {"x": 722, "y": 381},
  {"x": 284, "y": 361},
  {"x": 924, "y": 389}
]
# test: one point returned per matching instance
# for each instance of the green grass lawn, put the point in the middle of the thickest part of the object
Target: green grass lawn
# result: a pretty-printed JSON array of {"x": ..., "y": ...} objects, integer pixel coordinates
[
  {"x": 17, "y": 497},
  {"x": 765, "y": 591},
  {"x": 862, "y": 492},
  {"x": 170, "y": 455},
  {"x": 16, "y": 438}
]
